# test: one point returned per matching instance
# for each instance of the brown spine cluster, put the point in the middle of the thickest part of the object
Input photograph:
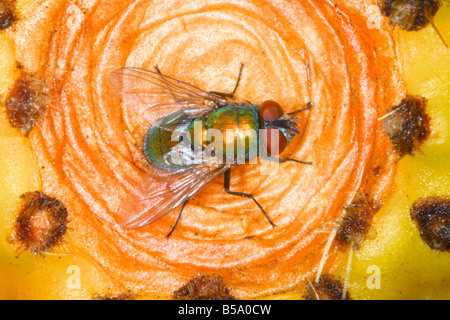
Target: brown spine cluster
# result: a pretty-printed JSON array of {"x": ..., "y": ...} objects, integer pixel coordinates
[
  {"x": 410, "y": 15},
  {"x": 27, "y": 102},
  {"x": 407, "y": 125},
  {"x": 327, "y": 288},
  {"x": 356, "y": 222},
  {"x": 204, "y": 287},
  {"x": 432, "y": 218},
  {"x": 41, "y": 223},
  {"x": 7, "y": 13},
  {"x": 121, "y": 296}
]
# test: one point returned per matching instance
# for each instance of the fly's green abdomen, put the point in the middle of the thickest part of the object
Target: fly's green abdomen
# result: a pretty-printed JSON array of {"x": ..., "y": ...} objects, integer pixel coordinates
[{"x": 162, "y": 138}]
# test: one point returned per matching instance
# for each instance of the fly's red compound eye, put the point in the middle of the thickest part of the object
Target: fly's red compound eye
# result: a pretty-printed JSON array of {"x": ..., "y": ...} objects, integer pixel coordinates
[
  {"x": 271, "y": 110},
  {"x": 274, "y": 140}
]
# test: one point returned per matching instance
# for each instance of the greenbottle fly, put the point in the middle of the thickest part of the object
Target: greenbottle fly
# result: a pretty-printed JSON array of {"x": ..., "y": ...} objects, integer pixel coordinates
[{"x": 180, "y": 118}]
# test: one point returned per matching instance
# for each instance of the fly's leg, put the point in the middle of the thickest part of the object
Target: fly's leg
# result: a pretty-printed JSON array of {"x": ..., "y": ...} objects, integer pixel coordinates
[
  {"x": 309, "y": 105},
  {"x": 230, "y": 95},
  {"x": 287, "y": 159},
  {"x": 241, "y": 194},
  {"x": 178, "y": 219},
  {"x": 168, "y": 87}
]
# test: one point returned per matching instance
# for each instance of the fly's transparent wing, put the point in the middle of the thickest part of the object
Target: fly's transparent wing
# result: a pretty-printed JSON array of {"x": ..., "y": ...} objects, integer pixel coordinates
[
  {"x": 161, "y": 192},
  {"x": 151, "y": 95},
  {"x": 151, "y": 98}
]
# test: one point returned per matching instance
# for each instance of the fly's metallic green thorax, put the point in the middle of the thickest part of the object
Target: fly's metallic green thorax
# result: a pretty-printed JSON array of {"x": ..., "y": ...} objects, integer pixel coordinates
[
  {"x": 231, "y": 128},
  {"x": 231, "y": 132}
]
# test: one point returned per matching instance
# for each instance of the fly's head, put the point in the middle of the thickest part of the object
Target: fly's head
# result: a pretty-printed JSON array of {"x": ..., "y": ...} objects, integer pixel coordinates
[{"x": 280, "y": 128}]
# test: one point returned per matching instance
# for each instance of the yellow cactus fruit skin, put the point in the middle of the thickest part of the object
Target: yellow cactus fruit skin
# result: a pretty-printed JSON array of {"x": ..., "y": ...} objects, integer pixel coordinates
[{"x": 393, "y": 263}]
